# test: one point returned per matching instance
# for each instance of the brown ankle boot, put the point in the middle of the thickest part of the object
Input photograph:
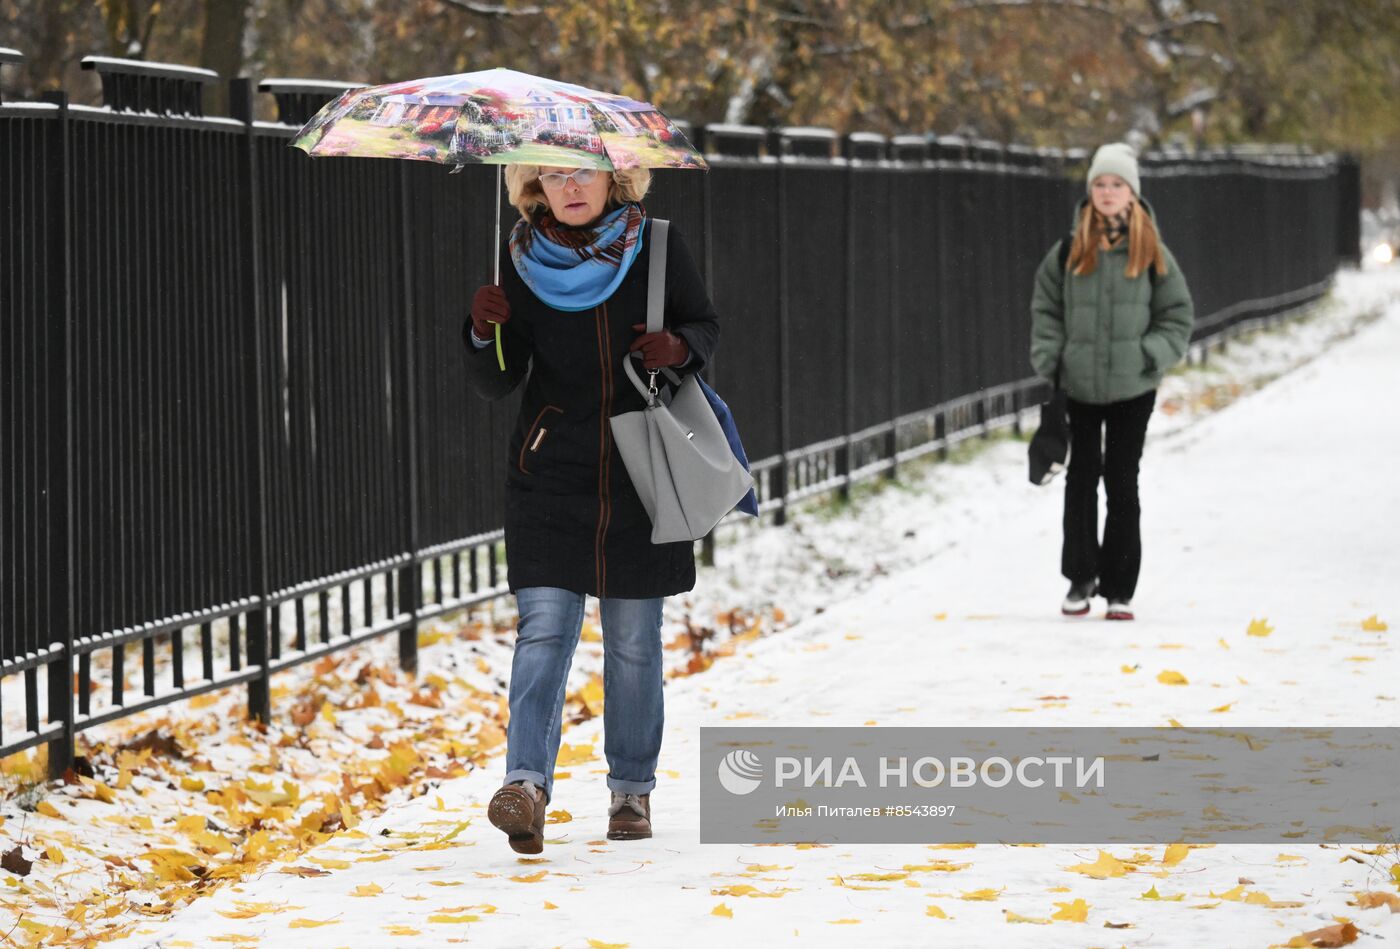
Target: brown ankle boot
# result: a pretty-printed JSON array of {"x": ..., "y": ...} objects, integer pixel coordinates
[
  {"x": 518, "y": 809},
  {"x": 629, "y": 816}
]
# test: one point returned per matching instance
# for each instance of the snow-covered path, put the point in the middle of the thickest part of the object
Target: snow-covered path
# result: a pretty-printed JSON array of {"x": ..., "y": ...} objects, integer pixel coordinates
[{"x": 1282, "y": 507}]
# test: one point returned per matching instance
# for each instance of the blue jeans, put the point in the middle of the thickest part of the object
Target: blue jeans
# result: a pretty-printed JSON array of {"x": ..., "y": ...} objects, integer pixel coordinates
[{"x": 550, "y": 620}]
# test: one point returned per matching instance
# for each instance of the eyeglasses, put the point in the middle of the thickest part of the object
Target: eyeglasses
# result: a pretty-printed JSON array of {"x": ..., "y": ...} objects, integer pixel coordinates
[{"x": 554, "y": 180}]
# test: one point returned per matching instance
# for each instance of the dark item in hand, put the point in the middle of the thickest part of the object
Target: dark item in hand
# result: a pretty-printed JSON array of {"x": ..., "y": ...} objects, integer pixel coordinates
[
  {"x": 489, "y": 308},
  {"x": 659, "y": 350}
]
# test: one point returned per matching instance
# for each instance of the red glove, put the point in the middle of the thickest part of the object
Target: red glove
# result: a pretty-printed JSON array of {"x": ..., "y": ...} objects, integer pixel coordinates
[
  {"x": 659, "y": 350},
  {"x": 489, "y": 308}
]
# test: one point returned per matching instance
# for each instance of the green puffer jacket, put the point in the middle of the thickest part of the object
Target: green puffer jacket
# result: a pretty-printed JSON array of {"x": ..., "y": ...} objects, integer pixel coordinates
[{"x": 1111, "y": 338}]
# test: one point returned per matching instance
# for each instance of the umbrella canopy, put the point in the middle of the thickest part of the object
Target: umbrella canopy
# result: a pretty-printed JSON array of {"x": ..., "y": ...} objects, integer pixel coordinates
[{"x": 497, "y": 117}]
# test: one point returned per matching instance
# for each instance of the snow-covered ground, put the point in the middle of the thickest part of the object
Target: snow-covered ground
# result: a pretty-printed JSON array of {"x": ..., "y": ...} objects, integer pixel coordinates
[{"x": 933, "y": 601}]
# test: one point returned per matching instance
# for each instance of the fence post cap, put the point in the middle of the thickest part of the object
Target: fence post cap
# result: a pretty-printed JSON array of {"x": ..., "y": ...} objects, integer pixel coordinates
[
  {"x": 867, "y": 146},
  {"x": 10, "y": 56},
  {"x": 112, "y": 66},
  {"x": 736, "y": 141}
]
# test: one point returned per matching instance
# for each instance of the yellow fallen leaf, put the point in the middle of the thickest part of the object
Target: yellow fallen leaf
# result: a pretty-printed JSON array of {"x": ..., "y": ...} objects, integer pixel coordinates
[
  {"x": 441, "y": 918},
  {"x": 1104, "y": 867},
  {"x": 397, "y": 930},
  {"x": 1259, "y": 627},
  {"x": 1171, "y": 677},
  {"x": 367, "y": 889},
  {"x": 1075, "y": 912},
  {"x": 1373, "y": 900},
  {"x": 935, "y": 912},
  {"x": 984, "y": 895},
  {"x": 1374, "y": 624},
  {"x": 599, "y": 944},
  {"x": 54, "y": 854},
  {"x": 330, "y": 864},
  {"x": 744, "y": 889},
  {"x": 531, "y": 877},
  {"x": 1152, "y": 894},
  {"x": 192, "y": 824},
  {"x": 1018, "y": 918},
  {"x": 311, "y": 923},
  {"x": 1129, "y": 670},
  {"x": 1174, "y": 723},
  {"x": 1234, "y": 895},
  {"x": 1174, "y": 854},
  {"x": 188, "y": 783},
  {"x": 722, "y": 910},
  {"x": 877, "y": 877},
  {"x": 560, "y": 817},
  {"x": 843, "y": 922},
  {"x": 575, "y": 754},
  {"x": 48, "y": 810},
  {"x": 549, "y": 905}
]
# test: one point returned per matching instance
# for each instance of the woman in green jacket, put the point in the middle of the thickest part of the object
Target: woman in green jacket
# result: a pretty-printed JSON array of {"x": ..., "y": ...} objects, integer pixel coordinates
[{"x": 1110, "y": 315}]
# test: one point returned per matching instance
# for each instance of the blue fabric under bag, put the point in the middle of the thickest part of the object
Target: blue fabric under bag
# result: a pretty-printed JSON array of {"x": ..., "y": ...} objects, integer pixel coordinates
[{"x": 749, "y": 505}]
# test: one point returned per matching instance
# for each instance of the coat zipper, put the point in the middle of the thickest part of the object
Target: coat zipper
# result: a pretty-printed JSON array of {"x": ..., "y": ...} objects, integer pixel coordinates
[{"x": 604, "y": 448}]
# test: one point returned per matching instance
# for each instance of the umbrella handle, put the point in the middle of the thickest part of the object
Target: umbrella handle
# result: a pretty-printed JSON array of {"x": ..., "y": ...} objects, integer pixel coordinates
[{"x": 496, "y": 257}]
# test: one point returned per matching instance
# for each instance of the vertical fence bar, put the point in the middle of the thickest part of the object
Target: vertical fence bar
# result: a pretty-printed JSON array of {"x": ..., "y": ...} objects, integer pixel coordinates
[
  {"x": 240, "y": 93},
  {"x": 784, "y": 342},
  {"x": 707, "y": 245},
  {"x": 410, "y": 577},
  {"x": 845, "y": 460},
  {"x": 59, "y": 350}
]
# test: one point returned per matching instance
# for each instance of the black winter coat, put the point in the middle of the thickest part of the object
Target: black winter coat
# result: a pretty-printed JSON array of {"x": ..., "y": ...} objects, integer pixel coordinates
[{"x": 573, "y": 519}]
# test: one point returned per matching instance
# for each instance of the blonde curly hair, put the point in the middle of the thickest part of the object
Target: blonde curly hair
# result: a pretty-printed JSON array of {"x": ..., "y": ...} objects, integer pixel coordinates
[{"x": 527, "y": 194}]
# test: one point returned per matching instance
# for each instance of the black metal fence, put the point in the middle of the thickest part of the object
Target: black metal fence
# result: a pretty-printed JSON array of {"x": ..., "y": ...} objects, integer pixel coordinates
[{"x": 234, "y": 428}]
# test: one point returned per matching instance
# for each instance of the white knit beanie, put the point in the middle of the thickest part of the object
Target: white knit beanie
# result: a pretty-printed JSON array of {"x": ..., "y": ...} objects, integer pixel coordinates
[{"x": 1115, "y": 159}]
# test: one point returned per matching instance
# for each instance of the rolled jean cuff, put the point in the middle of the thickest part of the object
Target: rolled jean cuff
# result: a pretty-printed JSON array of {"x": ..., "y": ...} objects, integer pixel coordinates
[
  {"x": 534, "y": 777},
  {"x": 630, "y": 787}
]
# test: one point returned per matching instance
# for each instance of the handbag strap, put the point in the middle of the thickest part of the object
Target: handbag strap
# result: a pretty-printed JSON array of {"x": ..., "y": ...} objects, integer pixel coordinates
[
  {"x": 656, "y": 276},
  {"x": 656, "y": 303}
]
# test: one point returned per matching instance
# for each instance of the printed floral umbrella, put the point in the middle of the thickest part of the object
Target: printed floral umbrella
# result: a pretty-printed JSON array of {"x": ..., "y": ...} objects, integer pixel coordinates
[{"x": 497, "y": 117}]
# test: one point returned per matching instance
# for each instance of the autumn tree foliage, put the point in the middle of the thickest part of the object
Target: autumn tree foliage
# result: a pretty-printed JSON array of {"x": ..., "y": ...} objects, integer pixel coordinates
[{"x": 1063, "y": 72}]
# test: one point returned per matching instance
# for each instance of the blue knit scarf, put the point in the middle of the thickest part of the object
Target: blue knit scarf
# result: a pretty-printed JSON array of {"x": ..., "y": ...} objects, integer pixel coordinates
[{"x": 576, "y": 268}]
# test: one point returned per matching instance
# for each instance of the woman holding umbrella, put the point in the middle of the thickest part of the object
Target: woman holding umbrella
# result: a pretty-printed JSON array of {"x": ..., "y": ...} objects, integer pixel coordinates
[
  {"x": 1111, "y": 313},
  {"x": 570, "y": 308}
]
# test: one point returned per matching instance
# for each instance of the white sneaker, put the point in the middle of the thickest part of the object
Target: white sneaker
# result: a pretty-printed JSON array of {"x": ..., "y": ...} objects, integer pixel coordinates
[
  {"x": 1120, "y": 609},
  {"x": 1076, "y": 601}
]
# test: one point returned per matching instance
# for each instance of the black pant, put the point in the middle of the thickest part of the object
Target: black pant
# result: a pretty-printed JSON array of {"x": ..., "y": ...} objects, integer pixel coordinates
[{"x": 1114, "y": 457}]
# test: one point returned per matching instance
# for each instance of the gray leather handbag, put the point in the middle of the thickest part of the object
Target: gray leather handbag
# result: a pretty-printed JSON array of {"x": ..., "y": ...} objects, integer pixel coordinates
[{"x": 675, "y": 451}]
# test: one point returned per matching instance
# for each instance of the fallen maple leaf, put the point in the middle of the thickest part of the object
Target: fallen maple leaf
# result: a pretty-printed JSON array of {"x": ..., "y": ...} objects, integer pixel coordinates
[
  {"x": 398, "y": 930},
  {"x": 935, "y": 912},
  {"x": 311, "y": 923},
  {"x": 599, "y": 944},
  {"x": 1104, "y": 867},
  {"x": 983, "y": 895},
  {"x": 1075, "y": 912},
  {"x": 468, "y": 918},
  {"x": 1018, "y": 918},
  {"x": 48, "y": 810},
  {"x": 1174, "y": 854},
  {"x": 1259, "y": 627},
  {"x": 1328, "y": 937},
  {"x": 531, "y": 877},
  {"x": 722, "y": 910},
  {"x": 1374, "y": 624},
  {"x": 1372, "y": 900},
  {"x": 1171, "y": 677},
  {"x": 367, "y": 889}
]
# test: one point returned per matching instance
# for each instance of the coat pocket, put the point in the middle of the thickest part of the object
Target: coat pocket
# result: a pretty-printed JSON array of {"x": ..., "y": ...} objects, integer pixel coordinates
[{"x": 536, "y": 437}]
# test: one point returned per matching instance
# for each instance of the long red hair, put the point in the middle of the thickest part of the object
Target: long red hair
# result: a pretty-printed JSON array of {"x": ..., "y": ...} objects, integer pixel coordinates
[{"x": 1144, "y": 246}]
